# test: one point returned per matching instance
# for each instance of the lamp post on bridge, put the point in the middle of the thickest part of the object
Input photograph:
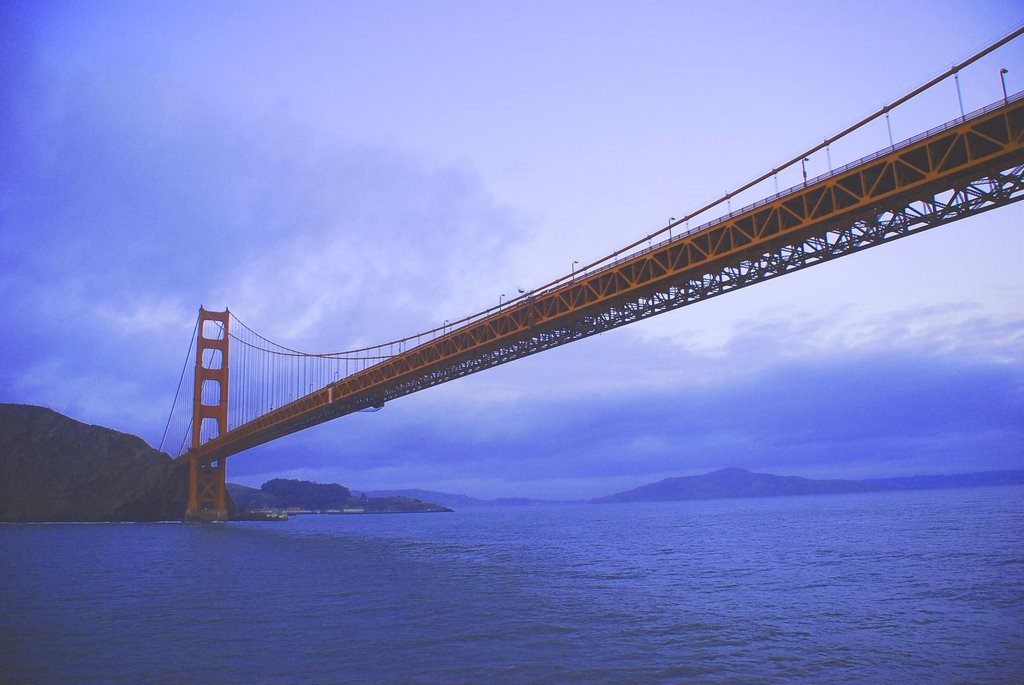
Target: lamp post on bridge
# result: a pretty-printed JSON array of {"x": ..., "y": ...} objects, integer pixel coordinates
[
  {"x": 803, "y": 168},
  {"x": 1002, "y": 79},
  {"x": 574, "y": 263}
]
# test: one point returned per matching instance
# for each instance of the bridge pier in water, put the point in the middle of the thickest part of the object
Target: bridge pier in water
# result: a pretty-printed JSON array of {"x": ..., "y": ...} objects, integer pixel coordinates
[{"x": 207, "y": 482}]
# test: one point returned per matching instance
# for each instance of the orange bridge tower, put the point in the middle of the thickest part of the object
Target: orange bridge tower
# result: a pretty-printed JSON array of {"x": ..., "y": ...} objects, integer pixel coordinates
[{"x": 206, "y": 485}]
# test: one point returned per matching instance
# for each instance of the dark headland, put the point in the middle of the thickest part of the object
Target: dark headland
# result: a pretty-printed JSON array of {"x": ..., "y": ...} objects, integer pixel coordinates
[{"x": 54, "y": 468}]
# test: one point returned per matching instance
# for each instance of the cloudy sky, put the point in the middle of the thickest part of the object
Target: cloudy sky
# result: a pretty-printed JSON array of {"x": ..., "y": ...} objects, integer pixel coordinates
[{"x": 344, "y": 173}]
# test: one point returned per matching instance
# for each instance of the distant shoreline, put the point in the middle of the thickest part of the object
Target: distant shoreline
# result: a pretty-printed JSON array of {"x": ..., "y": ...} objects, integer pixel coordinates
[{"x": 733, "y": 483}]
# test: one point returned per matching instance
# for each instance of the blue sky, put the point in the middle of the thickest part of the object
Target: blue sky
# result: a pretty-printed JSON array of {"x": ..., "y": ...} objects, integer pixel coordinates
[{"x": 346, "y": 173}]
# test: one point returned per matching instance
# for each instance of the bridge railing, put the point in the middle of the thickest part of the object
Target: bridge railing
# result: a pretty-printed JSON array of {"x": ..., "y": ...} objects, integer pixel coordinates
[{"x": 811, "y": 181}]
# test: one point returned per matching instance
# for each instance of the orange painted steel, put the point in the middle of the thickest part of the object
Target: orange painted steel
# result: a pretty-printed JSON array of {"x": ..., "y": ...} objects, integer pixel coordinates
[
  {"x": 876, "y": 196},
  {"x": 207, "y": 486}
]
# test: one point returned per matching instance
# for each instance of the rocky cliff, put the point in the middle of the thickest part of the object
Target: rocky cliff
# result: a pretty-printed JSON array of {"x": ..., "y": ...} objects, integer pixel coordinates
[{"x": 53, "y": 468}]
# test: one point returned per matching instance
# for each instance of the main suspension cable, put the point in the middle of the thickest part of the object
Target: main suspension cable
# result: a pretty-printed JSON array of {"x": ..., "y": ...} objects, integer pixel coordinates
[{"x": 181, "y": 379}]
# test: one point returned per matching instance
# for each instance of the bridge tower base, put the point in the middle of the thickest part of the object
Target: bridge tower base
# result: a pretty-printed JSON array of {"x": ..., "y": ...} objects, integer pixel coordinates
[
  {"x": 206, "y": 488},
  {"x": 206, "y": 482}
]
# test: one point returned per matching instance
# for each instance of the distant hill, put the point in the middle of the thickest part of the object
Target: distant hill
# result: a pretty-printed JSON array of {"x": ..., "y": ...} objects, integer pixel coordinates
[
  {"x": 281, "y": 493},
  {"x": 961, "y": 480},
  {"x": 734, "y": 482},
  {"x": 460, "y": 501},
  {"x": 53, "y": 468}
]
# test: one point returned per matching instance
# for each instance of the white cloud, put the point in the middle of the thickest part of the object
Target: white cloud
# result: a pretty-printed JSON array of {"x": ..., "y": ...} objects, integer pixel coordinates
[{"x": 148, "y": 314}]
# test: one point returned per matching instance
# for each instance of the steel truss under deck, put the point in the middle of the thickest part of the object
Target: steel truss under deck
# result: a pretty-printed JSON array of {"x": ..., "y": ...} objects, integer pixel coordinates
[{"x": 964, "y": 168}]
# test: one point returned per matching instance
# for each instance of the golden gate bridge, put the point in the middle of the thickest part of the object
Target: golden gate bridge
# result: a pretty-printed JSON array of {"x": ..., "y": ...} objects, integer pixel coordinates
[{"x": 247, "y": 390}]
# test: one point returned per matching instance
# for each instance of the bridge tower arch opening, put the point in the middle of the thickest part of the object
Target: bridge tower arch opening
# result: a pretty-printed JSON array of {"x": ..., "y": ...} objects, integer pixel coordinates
[{"x": 207, "y": 482}]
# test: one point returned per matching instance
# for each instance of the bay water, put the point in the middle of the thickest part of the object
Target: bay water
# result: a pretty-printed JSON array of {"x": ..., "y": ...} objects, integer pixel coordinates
[{"x": 907, "y": 587}]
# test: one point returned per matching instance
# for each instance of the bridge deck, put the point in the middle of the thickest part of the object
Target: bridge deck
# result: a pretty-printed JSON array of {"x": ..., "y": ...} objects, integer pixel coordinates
[{"x": 960, "y": 169}]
